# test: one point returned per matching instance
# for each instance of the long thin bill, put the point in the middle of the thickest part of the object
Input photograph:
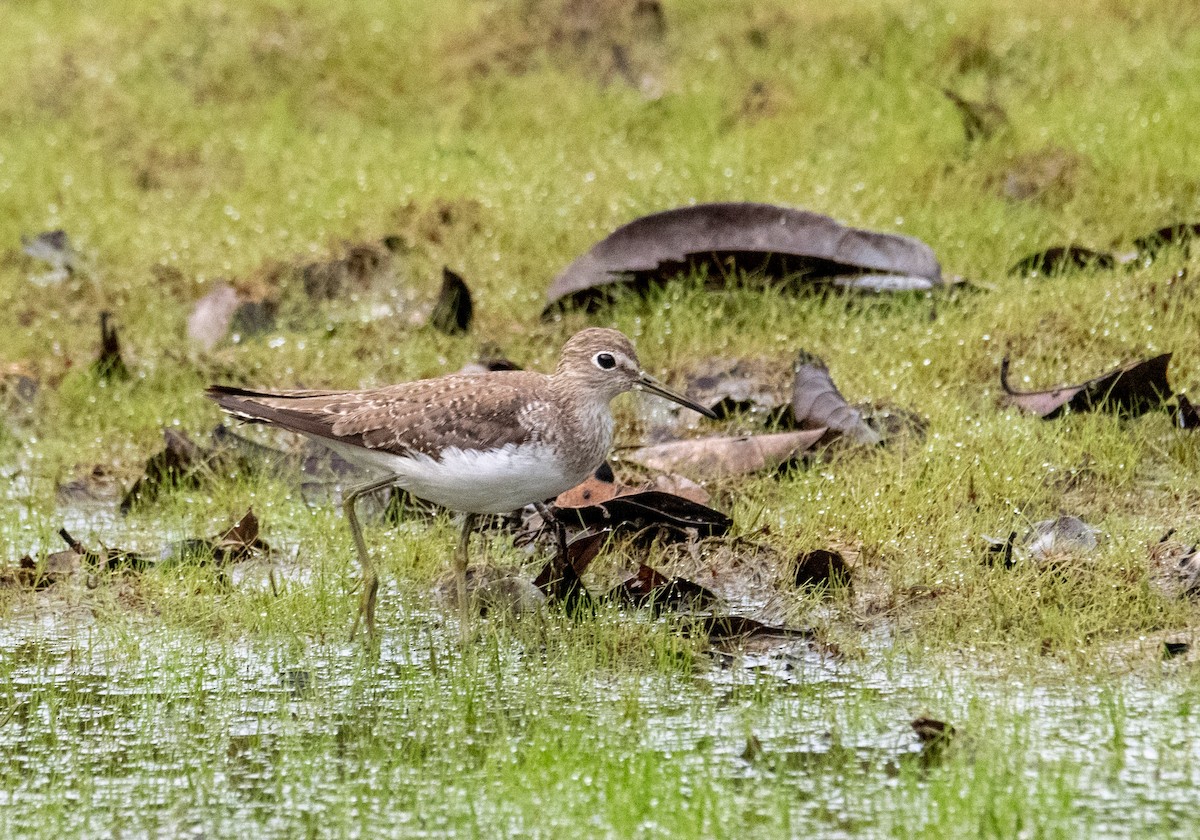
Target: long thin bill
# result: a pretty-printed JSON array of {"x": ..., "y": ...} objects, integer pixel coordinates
[{"x": 648, "y": 383}]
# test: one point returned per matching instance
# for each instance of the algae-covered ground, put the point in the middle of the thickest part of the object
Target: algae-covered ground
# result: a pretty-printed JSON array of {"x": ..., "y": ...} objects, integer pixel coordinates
[{"x": 184, "y": 144}]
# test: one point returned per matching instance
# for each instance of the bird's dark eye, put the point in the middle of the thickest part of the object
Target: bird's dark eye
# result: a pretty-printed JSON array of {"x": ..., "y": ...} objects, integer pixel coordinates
[{"x": 605, "y": 361}]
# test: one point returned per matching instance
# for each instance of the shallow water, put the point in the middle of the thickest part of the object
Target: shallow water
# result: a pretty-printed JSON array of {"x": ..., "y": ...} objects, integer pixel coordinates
[{"x": 178, "y": 735}]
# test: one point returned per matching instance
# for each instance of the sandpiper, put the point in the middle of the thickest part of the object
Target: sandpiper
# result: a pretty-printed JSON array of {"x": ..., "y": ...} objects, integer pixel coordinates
[{"x": 476, "y": 443}]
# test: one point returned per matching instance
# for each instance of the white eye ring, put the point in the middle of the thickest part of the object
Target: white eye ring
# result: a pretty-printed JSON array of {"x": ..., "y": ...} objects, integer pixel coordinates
[{"x": 605, "y": 361}]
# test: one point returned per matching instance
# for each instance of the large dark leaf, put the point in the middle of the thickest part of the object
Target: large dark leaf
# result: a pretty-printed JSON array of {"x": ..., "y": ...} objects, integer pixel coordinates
[
  {"x": 719, "y": 627},
  {"x": 648, "y": 509},
  {"x": 779, "y": 241},
  {"x": 559, "y": 578},
  {"x": 1133, "y": 389}
]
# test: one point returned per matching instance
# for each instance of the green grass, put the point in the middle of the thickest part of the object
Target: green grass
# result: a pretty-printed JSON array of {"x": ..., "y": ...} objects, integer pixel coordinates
[{"x": 185, "y": 144}]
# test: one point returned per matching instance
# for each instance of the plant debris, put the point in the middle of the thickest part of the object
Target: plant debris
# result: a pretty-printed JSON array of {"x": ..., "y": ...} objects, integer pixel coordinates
[
  {"x": 981, "y": 120},
  {"x": 1045, "y": 541},
  {"x": 225, "y": 310},
  {"x": 817, "y": 403},
  {"x": 361, "y": 266},
  {"x": 649, "y": 587},
  {"x": 109, "y": 366},
  {"x": 53, "y": 247},
  {"x": 1060, "y": 259},
  {"x": 779, "y": 242},
  {"x": 110, "y": 559},
  {"x": 453, "y": 311},
  {"x": 729, "y": 387},
  {"x": 1132, "y": 389},
  {"x": 176, "y": 464},
  {"x": 29, "y": 574}
]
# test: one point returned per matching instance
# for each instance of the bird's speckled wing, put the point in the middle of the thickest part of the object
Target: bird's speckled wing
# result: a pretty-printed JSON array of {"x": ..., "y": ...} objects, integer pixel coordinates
[{"x": 484, "y": 411}]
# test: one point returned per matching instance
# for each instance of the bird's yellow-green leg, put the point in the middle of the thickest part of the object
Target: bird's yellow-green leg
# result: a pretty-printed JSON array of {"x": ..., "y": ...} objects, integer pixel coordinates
[
  {"x": 370, "y": 577},
  {"x": 460, "y": 573}
]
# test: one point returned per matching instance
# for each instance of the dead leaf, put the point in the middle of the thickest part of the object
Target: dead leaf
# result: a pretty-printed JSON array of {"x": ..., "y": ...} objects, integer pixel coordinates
[
  {"x": 111, "y": 559},
  {"x": 453, "y": 311},
  {"x": 778, "y": 241},
  {"x": 235, "y": 544},
  {"x": 981, "y": 120},
  {"x": 1132, "y": 389},
  {"x": 109, "y": 366},
  {"x": 726, "y": 627},
  {"x": 559, "y": 578},
  {"x": 1180, "y": 234},
  {"x": 211, "y": 317},
  {"x": 360, "y": 267},
  {"x": 650, "y": 509},
  {"x": 1061, "y": 259},
  {"x": 651, "y": 588},
  {"x": 714, "y": 457},
  {"x": 29, "y": 574},
  {"x": 821, "y": 567},
  {"x": 607, "y": 41},
  {"x": 1047, "y": 173},
  {"x": 53, "y": 247},
  {"x": 678, "y": 485},
  {"x": 175, "y": 464},
  {"x": 1171, "y": 648},
  {"x": 595, "y": 489},
  {"x": 817, "y": 403}
]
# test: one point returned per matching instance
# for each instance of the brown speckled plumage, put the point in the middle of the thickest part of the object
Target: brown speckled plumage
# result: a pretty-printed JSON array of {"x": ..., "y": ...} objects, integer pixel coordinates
[{"x": 479, "y": 443}]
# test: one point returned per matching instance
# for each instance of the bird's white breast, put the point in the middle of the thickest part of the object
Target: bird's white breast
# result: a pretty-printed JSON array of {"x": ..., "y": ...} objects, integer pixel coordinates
[{"x": 475, "y": 481}]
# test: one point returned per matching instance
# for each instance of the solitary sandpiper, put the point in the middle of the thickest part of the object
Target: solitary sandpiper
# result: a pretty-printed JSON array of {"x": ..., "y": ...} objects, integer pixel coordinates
[{"x": 476, "y": 443}]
